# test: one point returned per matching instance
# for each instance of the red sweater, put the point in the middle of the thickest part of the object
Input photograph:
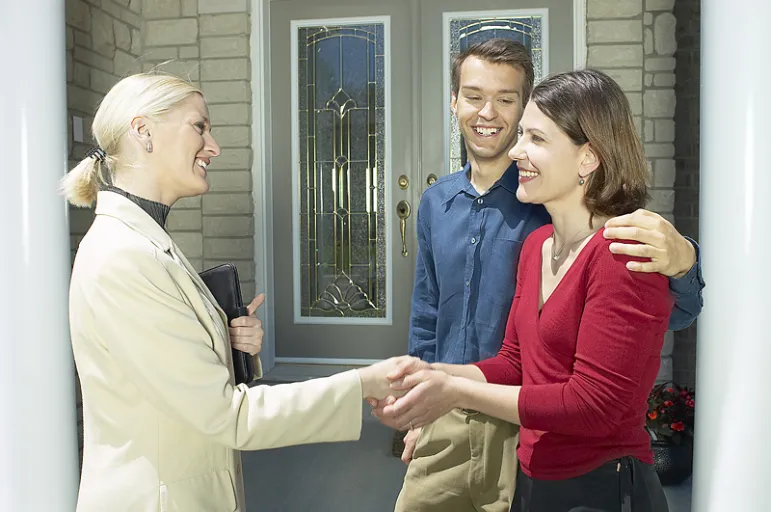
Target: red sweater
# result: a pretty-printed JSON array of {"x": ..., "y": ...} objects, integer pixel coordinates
[{"x": 586, "y": 363}]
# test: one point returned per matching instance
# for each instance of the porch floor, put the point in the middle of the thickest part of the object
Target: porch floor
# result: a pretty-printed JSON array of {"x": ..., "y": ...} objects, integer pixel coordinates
[{"x": 358, "y": 476}]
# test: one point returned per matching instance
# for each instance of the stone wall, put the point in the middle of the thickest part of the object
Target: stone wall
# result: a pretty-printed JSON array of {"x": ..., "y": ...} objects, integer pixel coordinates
[
  {"x": 103, "y": 44},
  {"x": 207, "y": 41},
  {"x": 688, "y": 33},
  {"x": 634, "y": 42}
]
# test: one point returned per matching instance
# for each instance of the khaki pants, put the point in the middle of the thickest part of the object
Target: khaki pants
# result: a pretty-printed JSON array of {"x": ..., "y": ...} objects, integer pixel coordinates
[{"x": 463, "y": 462}]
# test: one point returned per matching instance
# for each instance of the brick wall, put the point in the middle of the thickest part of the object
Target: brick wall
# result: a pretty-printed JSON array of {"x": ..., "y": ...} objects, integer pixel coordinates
[
  {"x": 634, "y": 42},
  {"x": 103, "y": 44},
  {"x": 688, "y": 33},
  {"x": 207, "y": 41}
]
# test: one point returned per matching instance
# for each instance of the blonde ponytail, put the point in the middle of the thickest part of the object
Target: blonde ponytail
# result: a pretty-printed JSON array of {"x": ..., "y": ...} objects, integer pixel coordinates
[{"x": 81, "y": 184}]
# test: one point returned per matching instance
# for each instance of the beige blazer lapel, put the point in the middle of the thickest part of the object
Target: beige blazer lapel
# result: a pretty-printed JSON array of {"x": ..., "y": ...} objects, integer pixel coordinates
[{"x": 218, "y": 315}]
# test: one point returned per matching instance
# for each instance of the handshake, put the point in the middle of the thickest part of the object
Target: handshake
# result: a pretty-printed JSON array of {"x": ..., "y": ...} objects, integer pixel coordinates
[{"x": 407, "y": 393}]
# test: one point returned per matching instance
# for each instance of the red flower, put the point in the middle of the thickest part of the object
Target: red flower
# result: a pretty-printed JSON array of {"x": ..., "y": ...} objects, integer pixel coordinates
[
  {"x": 670, "y": 390},
  {"x": 678, "y": 426},
  {"x": 691, "y": 404},
  {"x": 653, "y": 415},
  {"x": 684, "y": 393},
  {"x": 668, "y": 403}
]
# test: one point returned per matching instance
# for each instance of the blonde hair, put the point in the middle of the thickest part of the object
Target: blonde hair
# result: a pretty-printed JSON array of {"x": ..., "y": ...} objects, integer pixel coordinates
[{"x": 144, "y": 94}]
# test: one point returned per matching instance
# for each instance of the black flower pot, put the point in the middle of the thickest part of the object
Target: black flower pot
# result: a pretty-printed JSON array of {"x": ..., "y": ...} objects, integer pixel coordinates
[{"x": 673, "y": 462}]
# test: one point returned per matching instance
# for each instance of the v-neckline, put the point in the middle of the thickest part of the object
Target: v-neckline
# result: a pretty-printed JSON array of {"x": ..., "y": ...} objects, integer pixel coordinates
[{"x": 580, "y": 255}]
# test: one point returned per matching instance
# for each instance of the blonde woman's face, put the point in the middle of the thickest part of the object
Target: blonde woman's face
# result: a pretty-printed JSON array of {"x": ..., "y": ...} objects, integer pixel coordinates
[{"x": 183, "y": 147}]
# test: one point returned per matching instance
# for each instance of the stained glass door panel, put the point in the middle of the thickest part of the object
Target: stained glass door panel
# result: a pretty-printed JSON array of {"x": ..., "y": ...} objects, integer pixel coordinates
[{"x": 342, "y": 133}]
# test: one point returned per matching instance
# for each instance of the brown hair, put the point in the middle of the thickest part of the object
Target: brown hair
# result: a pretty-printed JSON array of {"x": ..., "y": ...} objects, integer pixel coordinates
[
  {"x": 497, "y": 51},
  {"x": 591, "y": 108}
]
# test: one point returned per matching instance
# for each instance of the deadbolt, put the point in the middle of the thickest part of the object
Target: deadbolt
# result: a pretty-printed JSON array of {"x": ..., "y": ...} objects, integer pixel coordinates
[
  {"x": 404, "y": 182},
  {"x": 431, "y": 179}
]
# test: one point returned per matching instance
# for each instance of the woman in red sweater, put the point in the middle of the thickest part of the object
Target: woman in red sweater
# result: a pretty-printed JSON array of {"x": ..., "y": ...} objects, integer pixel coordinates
[{"x": 584, "y": 334}]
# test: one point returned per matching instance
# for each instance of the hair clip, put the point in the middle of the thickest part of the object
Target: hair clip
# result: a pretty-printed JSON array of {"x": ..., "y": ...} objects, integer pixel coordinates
[{"x": 97, "y": 154}]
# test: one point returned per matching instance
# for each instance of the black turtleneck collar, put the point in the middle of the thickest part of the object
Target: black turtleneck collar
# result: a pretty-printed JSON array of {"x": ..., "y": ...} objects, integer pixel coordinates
[{"x": 158, "y": 211}]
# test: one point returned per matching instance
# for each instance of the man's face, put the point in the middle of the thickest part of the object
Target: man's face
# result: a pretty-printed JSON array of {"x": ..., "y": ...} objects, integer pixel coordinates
[{"x": 489, "y": 105}]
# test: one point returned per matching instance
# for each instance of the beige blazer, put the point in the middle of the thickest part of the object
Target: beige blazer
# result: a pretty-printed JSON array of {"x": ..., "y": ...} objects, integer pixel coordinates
[{"x": 162, "y": 418}]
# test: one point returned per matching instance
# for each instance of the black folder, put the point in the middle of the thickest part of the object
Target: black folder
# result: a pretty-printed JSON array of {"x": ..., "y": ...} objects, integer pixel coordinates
[{"x": 223, "y": 283}]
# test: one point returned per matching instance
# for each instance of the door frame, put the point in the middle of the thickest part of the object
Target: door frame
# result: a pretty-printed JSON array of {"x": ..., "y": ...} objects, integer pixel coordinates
[{"x": 262, "y": 162}]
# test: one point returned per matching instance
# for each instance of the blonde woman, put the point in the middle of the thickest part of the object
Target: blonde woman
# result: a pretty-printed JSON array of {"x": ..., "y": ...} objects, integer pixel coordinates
[{"x": 163, "y": 420}]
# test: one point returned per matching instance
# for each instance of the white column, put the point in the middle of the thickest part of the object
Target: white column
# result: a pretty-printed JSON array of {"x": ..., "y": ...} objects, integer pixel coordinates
[
  {"x": 733, "y": 404},
  {"x": 38, "y": 440}
]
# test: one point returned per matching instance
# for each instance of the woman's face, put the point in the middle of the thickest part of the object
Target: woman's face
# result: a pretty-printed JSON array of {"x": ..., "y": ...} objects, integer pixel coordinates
[
  {"x": 183, "y": 147},
  {"x": 549, "y": 162}
]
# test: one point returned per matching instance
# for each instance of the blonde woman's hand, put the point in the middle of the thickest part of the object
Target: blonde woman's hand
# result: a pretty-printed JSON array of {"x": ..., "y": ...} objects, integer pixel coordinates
[
  {"x": 246, "y": 331},
  {"x": 376, "y": 379}
]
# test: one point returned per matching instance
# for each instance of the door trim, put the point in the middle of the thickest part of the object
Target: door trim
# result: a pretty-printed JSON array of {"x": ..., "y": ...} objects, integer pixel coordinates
[
  {"x": 262, "y": 161},
  {"x": 579, "y": 34},
  {"x": 261, "y": 178}
]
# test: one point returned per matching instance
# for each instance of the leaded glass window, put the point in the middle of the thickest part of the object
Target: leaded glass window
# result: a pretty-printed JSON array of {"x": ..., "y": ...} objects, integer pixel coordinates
[{"x": 341, "y": 131}]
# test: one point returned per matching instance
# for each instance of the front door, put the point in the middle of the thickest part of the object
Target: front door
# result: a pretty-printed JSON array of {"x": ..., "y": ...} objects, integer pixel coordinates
[{"x": 360, "y": 93}]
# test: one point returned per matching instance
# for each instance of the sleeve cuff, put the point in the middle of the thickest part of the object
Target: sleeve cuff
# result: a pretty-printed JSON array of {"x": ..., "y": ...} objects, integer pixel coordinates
[
  {"x": 684, "y": 285},
  {"x": 497, "y": 371}
]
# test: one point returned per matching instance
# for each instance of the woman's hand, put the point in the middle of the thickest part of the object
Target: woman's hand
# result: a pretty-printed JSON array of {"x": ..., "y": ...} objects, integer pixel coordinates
[
  {"x": 246, "y": 331},
  {"x": 430, "y": 394}
]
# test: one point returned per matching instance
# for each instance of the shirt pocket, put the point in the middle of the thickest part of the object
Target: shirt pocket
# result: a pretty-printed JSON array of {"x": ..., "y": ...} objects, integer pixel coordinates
[
  {"x": 498, "y": 273},
  {"x": 210, "y": 492}
]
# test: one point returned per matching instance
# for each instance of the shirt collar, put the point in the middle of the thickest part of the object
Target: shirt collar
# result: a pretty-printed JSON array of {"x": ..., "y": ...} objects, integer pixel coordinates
[{"x": 509, "y": 181}]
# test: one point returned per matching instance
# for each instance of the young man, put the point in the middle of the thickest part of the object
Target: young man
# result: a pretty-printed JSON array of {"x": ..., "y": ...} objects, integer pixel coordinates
[{"x": 470, "y": 230}]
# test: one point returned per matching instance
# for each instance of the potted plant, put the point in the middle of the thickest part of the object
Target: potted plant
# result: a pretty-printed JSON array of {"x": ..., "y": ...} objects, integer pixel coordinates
[{"x": 670, "y": 425}]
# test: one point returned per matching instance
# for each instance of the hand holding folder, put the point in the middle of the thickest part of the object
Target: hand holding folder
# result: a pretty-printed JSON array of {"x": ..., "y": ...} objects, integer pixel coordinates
[{"x": 223, "y": 283}]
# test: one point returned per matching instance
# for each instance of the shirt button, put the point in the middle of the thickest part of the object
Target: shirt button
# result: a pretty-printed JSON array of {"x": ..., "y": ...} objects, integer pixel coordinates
[
  {"x": 473, "y": 240},
  {"x": 480, "y": 200},
  {"x": 467, "y": 283}
]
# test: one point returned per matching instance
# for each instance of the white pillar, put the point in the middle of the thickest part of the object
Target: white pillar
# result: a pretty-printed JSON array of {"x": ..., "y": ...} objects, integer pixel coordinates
[
  {"x": 733, "y": 404},
  {"x": 38, "y": 439}
]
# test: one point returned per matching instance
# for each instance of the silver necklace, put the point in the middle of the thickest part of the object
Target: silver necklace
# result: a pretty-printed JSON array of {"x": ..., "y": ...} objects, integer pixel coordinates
[{"x": 555, "y": 255}]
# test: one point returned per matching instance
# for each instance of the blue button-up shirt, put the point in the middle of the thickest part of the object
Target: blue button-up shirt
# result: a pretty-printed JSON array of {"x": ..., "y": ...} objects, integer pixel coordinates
[{"x": 465, "y": 276}]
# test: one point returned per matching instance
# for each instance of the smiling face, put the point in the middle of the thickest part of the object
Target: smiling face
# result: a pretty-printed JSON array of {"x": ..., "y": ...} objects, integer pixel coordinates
[
  {"x": 183, "y": 147},
  {"x": 489, "y": 105},
  {"x": 550, "y": 163}
]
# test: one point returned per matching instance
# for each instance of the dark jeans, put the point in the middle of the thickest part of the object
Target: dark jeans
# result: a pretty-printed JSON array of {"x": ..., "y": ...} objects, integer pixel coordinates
[{"x": 622, "y": 485}]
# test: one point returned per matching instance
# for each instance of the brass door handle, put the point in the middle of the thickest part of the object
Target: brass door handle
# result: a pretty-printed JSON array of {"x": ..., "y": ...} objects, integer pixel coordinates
[{"x": 403, "y": 210}]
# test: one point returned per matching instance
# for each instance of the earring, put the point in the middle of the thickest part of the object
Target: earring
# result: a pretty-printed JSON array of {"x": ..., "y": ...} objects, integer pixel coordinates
[
  {"x": 149, "y": 147},
  {"x": 581, "y": 180}
]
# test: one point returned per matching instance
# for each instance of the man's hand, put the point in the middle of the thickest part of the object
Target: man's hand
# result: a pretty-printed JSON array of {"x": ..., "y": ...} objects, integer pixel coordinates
[
  {"x": 670, "y": 253},
  {"x": 410, "y": 440},
  {"x": 246, "y": 331}
]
